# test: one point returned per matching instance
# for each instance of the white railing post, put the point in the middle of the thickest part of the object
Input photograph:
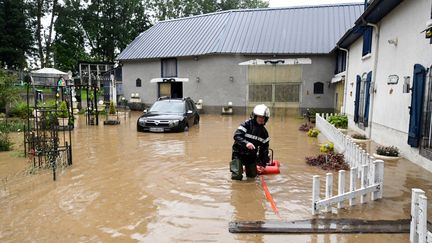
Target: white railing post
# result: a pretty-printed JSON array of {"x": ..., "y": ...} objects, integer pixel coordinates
[
  {"x": 422, "y": 225},
  {"x": 353, "y": 177},
  {"x": 378, "y": 178},
  {"x": 341, "y": 185},
  {"x": 364, "y": 170},
  {"x": 415, "y": 194},
  {"x": 329, "y": 188},
  {"x": 315, "y": 193}
]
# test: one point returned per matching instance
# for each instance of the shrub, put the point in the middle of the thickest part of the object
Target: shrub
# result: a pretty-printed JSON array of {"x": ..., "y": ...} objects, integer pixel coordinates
[
  {"x": 5, "y": 143},
  {"x": 12, "y": 125},
  {"x": 358, "y": 136},
  {"x": 330, "y": 161},
  {"x": 339, "y": 121},
  {"x": 305, "y": 127},
  {"x": 313, "y": 132},
  {"x": 327, "y": 147},
  {"x": 63, "y": 111},
  {"x": 20, "y": 110},
  {"x": 112, "y": 109},
  {"x": 388, "y": 151}
]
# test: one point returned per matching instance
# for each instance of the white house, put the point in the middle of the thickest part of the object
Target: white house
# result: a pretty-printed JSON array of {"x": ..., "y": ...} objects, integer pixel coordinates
[{"x": 387, "y": 94}]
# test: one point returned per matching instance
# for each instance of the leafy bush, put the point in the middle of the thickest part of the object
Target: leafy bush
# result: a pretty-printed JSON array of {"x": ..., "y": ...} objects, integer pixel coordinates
[
  {"x": 330, "y": 161},
  {"x": 327, "y": 147},
  {"x": 5, "y": 143},
  {"x": 12, "y": 125},
  {"x": 313, "y": 132},
  {"x": 388, "y": 151},
  {"x": 339, "y": 121},
  {"x": 305, "y": 127},
  {"x": 20, "y": 110}
]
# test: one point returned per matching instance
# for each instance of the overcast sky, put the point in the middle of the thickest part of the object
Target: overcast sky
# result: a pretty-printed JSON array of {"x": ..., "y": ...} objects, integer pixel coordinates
[{"x": 290, "y": 3}]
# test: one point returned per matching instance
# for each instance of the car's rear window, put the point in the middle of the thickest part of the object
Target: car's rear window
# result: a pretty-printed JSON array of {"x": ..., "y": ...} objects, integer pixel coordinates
[{"x": 168, "y": 106}]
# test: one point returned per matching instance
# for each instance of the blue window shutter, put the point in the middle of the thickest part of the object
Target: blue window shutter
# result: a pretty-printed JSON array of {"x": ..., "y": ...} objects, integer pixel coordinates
[
  {"x": 367, "y": 40},
  {"x": 416, "y": 108},
  {"x": 357, "y": 99},
  {"x": 367, "y": 98}
]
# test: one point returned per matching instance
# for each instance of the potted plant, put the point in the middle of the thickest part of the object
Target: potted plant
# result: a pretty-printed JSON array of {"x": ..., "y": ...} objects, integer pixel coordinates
[
  {"x": 359, "y": 138},
  {"x": 387, "y": 153},
  {"x": 339, "y": 121},
  {"x": 313, "y": 132},
  {"x": 112, "y": 115},
  {"x": 63, "y": 114}
]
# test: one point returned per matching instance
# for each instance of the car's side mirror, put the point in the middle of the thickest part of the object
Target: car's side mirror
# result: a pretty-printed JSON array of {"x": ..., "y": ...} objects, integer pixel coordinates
[
  {"x": 189, "y": 112},
  {"x": 145, "y": 111}
]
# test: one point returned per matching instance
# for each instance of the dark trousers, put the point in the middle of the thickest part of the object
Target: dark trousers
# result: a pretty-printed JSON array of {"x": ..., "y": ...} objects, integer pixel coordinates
[{"x": 236, "y": 168}]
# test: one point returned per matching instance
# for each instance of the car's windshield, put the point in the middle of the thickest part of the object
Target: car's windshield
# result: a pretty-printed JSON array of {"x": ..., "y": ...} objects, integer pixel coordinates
[{"x": 167, "y": 107}]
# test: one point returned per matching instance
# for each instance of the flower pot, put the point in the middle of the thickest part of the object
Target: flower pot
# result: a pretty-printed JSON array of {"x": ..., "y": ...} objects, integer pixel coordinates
[
  {"x": 383, "y": 157},
  {"x": 355, "y": 140}
]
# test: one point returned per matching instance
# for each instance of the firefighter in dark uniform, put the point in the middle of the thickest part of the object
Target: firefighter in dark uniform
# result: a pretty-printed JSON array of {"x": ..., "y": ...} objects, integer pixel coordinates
[{"x": 251, "y": 145}]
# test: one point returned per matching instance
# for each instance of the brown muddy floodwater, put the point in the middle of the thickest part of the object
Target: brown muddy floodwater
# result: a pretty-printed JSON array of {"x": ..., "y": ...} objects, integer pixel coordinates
[{"x": 126, "y": 186}]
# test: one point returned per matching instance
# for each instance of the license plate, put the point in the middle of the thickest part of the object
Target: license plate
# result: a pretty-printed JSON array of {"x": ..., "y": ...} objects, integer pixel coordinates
[{"x": 156, "y": 129}]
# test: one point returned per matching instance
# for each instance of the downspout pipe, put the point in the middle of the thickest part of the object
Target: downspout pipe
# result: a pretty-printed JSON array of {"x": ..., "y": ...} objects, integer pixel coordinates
[
  {"x": 346, "y": 76},
  {"x": 374, "y": 68}
]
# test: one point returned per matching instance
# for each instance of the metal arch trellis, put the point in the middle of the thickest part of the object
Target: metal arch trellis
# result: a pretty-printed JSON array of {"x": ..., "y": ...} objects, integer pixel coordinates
[{"x": 48, "y": 141}]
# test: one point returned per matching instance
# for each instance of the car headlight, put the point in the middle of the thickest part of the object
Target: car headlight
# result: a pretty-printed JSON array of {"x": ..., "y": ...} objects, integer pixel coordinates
[
  {"x": 174, "y": 123},
  {"x": 143, "y": 120}
]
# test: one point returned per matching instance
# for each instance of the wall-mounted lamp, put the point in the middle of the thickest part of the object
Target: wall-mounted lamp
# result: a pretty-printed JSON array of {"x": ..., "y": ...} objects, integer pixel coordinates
[
  {"x": 407, "y": 84},
  {"x": 195, "y": 58},
  {"x": 231, "y": 78},
  {"x": 393, "y": 41},
  {"x": 197, "y": 79}
]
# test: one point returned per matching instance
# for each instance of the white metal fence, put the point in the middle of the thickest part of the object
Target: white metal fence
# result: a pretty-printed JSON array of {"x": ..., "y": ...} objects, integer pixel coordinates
[
  {"x": 372, "y": 185},
  {"x": 418, "y": 230},
  {"x": 363, "y": 167}
]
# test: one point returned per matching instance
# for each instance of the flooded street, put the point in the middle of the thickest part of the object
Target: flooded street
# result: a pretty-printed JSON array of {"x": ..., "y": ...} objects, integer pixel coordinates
[{"x": 126, "y": 186}]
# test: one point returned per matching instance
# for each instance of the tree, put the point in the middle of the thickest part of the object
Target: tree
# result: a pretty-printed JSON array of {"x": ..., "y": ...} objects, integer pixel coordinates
[
  {"x": 112, "y": 24},
  {"x": 8, "y": 91},
  {"x": 44, "y": 36},
  {"x": 69, "y": 43},
  {"x": 15, "y": 34}
]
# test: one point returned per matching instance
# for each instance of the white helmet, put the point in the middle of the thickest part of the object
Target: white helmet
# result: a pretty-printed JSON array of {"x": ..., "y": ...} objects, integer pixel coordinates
[{"x": 262, "y": 110}]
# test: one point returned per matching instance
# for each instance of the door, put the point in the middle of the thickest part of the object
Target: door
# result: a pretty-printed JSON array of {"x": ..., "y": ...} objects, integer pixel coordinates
[{"x": 416, "y": 108}]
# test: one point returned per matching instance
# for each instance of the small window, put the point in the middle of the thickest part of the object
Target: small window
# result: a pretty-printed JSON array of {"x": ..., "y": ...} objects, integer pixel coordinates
[
  {"x": 318, "y": 88},
  {"x": 340, "y": 62},
  {"x": 367, "y": 40},
  {"x": 169, "y": 67},
  {"x": 138, "y": 82}
]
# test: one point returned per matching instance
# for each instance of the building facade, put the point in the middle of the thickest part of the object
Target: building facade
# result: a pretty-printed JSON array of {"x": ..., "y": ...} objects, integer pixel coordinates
[{"x": 388, "y": 77}]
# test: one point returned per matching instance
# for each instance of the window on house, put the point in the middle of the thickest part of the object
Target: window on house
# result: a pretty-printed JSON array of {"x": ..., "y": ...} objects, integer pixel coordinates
[
  {"x": 340, "y": 62},
  {"x": 138, "y": 82},
  {"x": 318, "y": 88},
  {"x": 367, "y": 40},
  {"x": 169, "y": 67}
]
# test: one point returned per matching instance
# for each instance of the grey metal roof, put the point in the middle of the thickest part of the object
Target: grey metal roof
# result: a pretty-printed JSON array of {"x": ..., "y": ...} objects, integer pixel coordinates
[{"x": 298, "y": 30}]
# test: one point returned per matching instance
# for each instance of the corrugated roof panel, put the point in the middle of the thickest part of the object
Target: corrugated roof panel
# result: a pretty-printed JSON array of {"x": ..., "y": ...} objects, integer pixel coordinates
[{"x": 296, "y": 30}]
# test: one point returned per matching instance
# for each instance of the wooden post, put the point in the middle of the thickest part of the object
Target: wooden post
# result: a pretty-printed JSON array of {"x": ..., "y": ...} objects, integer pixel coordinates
[
  {"x": 315, "y": 193},
  {"x": 353, "y": 177},
  {"x": 341, "y": 185},
  {"x": 422, "y": 219},
  {"x": 329, "y": 188},
  {"x": 415, "y": 193}
]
